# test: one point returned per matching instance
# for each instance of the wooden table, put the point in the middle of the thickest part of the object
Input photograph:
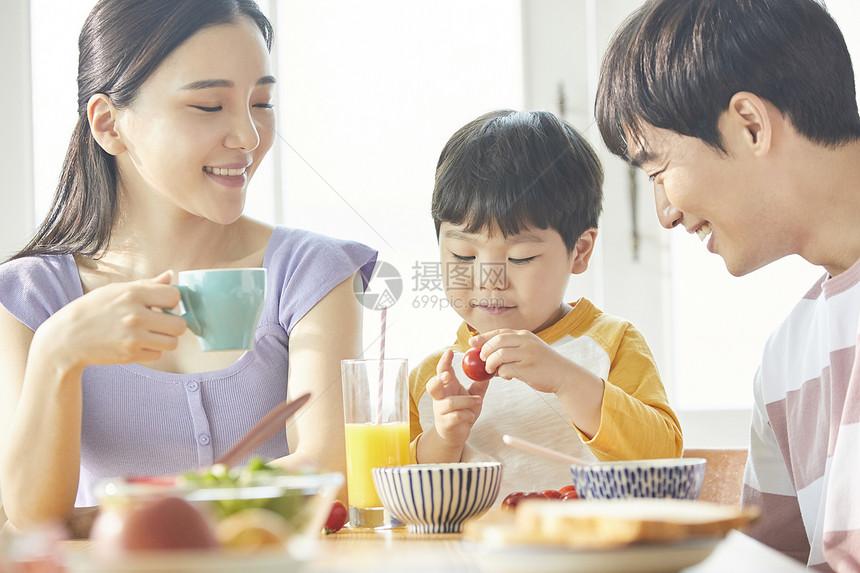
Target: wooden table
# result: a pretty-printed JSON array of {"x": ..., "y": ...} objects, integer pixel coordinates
[
  {"x": 392, "y": 550},
  {"x": 397, "y": 551}
]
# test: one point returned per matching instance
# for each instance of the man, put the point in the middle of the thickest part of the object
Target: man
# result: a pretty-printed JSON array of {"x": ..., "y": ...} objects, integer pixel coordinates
[{"x": 744, "y": 115}]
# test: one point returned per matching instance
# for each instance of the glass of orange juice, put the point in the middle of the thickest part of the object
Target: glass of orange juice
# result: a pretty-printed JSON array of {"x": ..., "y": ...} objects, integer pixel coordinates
[{"x": 376, "y": 416}]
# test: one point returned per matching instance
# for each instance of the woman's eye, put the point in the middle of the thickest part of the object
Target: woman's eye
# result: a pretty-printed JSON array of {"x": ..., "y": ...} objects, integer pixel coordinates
[
  {"x": 206, "y": 108},
  {"x": 264, "y": 105},
  {"x": 520, "y": 261}
]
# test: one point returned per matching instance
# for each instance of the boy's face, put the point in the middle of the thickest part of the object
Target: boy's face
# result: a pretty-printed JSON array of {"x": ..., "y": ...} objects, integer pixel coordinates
[
  {"x": 516, "y": 282},
  {"x": 724, "y": 198}
]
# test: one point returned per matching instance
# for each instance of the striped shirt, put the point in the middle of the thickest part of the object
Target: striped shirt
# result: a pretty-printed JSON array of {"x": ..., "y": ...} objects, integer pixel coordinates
[{"x": 804, "y": 461}]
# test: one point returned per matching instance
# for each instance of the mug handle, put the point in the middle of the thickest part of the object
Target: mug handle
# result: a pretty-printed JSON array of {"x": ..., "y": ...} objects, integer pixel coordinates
[{"x": 188, "y": 314}]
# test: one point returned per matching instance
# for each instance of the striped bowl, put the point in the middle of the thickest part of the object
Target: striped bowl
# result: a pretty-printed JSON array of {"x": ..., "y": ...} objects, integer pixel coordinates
[
  {"x": 679, "y": 478},
  {"x": 438, "y": 498}
]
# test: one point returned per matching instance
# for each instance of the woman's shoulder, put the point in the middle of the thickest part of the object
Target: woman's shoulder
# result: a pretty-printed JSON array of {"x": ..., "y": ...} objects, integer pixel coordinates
[
  {"x": 298, "y": 240},
  {"x": 304, "y": 266},
  {"x": 292, "y": 249},
  {"x": 33, "y": 288},
  {"x": 36, "y": 269}
]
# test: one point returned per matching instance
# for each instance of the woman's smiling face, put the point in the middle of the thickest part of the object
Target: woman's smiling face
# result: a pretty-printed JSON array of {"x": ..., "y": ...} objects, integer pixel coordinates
[{"x": 201, "y": 123}]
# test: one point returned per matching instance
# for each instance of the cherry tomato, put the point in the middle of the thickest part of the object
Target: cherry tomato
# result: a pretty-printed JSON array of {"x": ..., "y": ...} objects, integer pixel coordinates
[
  {"x": 533, "y": 495},
  {"x": 552, "y": 494},
  {"x": 569, "y": 496},
  {"x": 567, "y": 488},
  {"x": 474, "y": 367},
  {"x": 337, "y": 518},
  {"x": 152, "y": 480},
  {"x": 510, "y": 502}
]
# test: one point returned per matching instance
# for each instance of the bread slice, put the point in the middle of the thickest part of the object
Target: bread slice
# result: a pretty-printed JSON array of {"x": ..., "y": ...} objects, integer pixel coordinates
[{"x": 609, "y": 523}]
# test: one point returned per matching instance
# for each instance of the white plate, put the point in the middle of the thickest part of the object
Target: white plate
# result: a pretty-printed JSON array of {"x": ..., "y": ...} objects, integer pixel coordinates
[
  {"x": 663, "y": 558},
  {"x": 187, "y": 562}
]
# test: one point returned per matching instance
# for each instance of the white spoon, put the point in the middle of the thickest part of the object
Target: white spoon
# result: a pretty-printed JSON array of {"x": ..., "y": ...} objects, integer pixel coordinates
[{"x": 546, "y": 452}]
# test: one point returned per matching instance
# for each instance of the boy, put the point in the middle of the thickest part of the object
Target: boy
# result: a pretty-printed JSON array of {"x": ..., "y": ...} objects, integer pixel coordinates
[
  {"x": 744, "y": 114},
  {"x": 516, "y": 204}
]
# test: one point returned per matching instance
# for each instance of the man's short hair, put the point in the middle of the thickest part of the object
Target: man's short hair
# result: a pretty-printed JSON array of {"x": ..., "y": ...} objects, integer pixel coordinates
[{"x": 675, "y": 64}]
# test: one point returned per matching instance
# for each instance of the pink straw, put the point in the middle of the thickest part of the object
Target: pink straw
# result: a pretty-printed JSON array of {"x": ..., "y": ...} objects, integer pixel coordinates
[{"x": 381, "y": 366}]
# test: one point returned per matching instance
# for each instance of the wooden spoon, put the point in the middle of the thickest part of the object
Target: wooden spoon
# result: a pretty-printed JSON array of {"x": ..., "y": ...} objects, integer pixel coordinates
[{"x": 267, "y": 427}]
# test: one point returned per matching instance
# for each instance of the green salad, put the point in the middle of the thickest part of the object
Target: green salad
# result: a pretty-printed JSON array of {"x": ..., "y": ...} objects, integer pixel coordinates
[{"x": 253, "y": 486}]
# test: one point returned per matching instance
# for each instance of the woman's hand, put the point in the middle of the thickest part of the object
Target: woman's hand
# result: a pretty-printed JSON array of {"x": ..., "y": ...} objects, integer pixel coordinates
[{"x": 118, "y": 323}]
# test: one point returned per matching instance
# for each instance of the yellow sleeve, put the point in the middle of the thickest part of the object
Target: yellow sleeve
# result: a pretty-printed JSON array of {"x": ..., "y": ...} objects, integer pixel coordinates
[
  {"x": 636, "y": 421},
  {"x": 418, "y": 379}
]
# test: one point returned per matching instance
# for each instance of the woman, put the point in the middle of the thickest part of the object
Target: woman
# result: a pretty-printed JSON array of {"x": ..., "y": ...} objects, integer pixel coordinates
[{"x": 175, "y": 115}]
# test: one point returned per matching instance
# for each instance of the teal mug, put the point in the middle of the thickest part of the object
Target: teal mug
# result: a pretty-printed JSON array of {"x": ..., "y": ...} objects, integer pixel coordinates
[{"x": 222, "y": 307}]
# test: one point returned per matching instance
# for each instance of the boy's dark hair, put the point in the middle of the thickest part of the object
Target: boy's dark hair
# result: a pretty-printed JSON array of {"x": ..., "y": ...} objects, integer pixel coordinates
[
  {"x": 675, "y": 64},
  {"x": 519, "y": 169}
]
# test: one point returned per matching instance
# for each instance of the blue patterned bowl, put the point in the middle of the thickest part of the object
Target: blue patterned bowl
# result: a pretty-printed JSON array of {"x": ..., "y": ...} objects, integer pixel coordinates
[
  {"x": 679, "y": 478},
  {"x": 438, "y": 498}
]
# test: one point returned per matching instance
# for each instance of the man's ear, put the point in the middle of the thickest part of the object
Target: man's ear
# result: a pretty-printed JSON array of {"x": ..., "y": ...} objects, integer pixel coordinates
[
  {"x": 582, "y": 251},
  {"x": 750, "y": 116},
  {"x": 102, "y": 116}
]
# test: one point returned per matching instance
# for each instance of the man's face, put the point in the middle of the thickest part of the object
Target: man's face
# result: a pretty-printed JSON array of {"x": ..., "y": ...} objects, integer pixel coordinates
[{"x": 722, "y": 197}]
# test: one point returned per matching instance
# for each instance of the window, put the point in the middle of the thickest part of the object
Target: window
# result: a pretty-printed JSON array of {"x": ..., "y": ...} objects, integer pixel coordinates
[{"x": 369, "y": 93}]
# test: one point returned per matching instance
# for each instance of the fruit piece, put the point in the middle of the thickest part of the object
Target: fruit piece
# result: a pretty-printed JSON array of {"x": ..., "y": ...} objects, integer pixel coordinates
[
  {"x": 552, "y": 494},
  {"x": 533, "y": 495},
  {"x": 337, "y": 518},
  {"x": 167, "y": 481},
  {"x": 164, "y": 523},
  {"x": 511, "y": 501},
  {"x": 571, "y": 495},
  {"x": 167, "y": 523},
  {"x": 252, "y": 529},
  {"x": 474, "y": 366},
  {"x": 566, "y": 489}
]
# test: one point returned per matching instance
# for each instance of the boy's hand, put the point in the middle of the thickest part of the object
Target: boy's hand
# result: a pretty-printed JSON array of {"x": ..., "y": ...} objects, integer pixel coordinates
[
  {"x": 455, "y": 408},
  {"x": 522, "y": 354}
]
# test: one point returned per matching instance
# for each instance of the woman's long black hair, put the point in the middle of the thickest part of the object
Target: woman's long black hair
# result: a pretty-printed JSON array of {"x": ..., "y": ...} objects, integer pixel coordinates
[{"x": 121, "y": 44}]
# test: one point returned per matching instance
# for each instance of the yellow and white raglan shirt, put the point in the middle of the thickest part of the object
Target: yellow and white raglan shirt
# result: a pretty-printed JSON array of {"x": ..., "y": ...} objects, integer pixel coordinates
[{"x": 636, "y": 420}]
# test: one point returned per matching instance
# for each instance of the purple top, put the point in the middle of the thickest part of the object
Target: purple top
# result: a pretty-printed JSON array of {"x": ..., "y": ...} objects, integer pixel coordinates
[{"x": 139, "y": 421}]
